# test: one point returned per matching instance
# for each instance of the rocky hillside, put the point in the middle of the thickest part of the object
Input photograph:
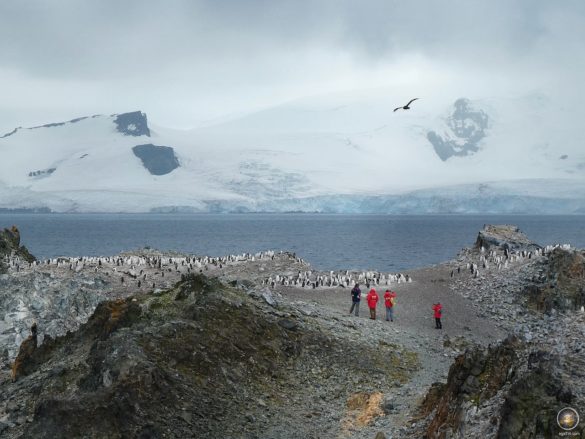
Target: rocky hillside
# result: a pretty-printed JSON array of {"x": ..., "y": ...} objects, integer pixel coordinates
[
  {"x": 516, "y": 388},
  {"x": 199, "y": 360}
]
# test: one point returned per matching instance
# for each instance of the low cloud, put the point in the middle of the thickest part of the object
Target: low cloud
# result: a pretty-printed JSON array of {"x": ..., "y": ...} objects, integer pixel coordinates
[{"x": 186, "y": 61}]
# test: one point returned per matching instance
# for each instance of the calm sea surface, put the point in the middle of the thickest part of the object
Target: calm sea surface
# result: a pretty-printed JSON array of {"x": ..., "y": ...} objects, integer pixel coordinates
[{"x": 380, "y": 242}]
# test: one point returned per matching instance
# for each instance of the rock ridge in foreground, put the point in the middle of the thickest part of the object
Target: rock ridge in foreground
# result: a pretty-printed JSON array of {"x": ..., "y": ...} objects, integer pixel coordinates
[{"x": 199, "y": 360}]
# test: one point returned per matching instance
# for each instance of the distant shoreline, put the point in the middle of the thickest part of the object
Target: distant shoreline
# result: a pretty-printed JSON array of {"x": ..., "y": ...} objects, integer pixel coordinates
[{"x": 458, "y": 214}]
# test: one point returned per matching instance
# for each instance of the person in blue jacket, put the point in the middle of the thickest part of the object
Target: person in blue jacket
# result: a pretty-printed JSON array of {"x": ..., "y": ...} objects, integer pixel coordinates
[{"x": 356, "y": 296}]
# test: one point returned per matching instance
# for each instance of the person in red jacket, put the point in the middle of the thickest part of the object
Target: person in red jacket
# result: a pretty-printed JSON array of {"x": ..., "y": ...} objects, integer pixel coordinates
[
  {"x": 372, "y": 298},
  {"x": 389, "y": 301},
  {"x": 438, "y": 309}
]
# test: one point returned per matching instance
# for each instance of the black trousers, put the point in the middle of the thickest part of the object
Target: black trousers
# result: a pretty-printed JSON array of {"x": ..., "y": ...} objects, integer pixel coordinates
[{"x": 438, "y": 324}]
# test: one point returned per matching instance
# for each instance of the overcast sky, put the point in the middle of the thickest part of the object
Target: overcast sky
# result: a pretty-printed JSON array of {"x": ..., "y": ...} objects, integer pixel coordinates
[{"x": 183, "y": 62}]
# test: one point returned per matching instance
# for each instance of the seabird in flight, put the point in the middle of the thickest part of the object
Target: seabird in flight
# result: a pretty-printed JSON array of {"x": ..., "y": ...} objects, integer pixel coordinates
[{"x": 406, "y": 107}]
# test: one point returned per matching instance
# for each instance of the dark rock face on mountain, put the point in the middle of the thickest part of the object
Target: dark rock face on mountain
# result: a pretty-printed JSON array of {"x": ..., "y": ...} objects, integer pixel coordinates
[
  {"x": 199, "y": 360},
  {"x": 14, "y": 131},
  {"x": 48, "y": 125},
  {"x": 132, "y": 124},
  {"x": 42, "y": 172},
  {"x": 503, "y": 237},
  {"x": 10, "y": 242},
  {"x": 159, "y": 160},
  {"x": 466, "y": 127}
]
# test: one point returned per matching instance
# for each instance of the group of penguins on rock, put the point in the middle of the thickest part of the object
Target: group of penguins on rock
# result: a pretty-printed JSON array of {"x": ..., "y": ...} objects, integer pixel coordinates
[
  {"x": 309, "y": 279},
  {"x": 503, "y": 259},
  {"x": 137, "y": 267}
]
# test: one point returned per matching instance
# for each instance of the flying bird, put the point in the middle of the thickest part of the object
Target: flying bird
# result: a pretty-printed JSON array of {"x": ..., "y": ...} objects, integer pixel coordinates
[{"x": 406, "y": 107}]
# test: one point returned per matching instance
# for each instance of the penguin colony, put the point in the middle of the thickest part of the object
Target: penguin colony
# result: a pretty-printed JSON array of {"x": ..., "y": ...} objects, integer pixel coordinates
[
  {"x": 309, "y": 279},
  {"x": 503, "y": 259},
  {"x": 150, "y": 271},
  {"x": 143, "y": 270}
]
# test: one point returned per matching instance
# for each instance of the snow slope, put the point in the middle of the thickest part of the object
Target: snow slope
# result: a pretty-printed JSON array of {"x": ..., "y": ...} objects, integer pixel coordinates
[{"x": 339, "y": 153}]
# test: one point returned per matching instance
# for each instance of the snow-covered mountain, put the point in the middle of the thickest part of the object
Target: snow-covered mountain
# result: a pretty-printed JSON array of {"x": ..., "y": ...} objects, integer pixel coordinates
[{"x": 339, "y": 153}]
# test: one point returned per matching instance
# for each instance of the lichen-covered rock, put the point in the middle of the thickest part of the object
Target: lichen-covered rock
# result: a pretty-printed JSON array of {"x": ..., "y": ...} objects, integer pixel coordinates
[
  {"x": 475, "y": 376},
  {"x": 512, "y": 390},
  {"x": 533, "y": 401}
]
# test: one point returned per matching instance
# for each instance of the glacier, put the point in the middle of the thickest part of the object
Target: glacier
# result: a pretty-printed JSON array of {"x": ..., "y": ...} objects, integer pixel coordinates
[{"x": 342, "y": 153}]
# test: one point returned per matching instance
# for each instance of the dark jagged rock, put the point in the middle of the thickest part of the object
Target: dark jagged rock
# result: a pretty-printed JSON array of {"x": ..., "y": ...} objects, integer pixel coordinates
[
  {"x": 504, "y": 237},
  {"x": 9, "y": 243},
  {"x": 512, "y": 390},
  {"x": 22, "y": 364},
  {"x": 467, "y": 127},
  {"x": 10, "y": 133},
  {"x": 533, "y": 401},
  {"x": 158, "y": 160},
  {"x": 42, "y": 172},
  {"x": 132, "y": 124},
  {"x": 476, "y": 375}
]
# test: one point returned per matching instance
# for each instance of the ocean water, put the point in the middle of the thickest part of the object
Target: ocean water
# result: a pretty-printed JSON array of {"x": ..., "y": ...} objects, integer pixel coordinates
[{"x": 328, "y": 242}]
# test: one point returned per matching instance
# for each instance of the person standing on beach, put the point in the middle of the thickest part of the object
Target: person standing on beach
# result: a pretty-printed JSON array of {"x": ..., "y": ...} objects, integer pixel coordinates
[
  {"x": 356, "y": 296},
  {"x": 438, "y": 309},
  {"x": 389, "y": 301},
  {"x": 372, "y": 302}
]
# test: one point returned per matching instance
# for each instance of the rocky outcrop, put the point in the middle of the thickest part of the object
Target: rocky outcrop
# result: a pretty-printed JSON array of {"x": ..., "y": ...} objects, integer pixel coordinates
[
  {"x": 158, "y": 160},
  {"x": 465, "y": 128},
  {"x": 503, "y": 237},
  {"x": 132, "y": 124},
  {"x": 534, "y": 399},
  {"x": 475, "y": 376},
  {"x": 10, "y": 245},
  {"x": 513, "y": 390}
]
